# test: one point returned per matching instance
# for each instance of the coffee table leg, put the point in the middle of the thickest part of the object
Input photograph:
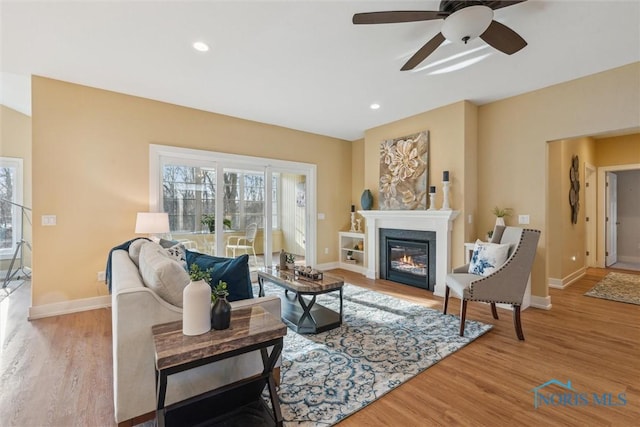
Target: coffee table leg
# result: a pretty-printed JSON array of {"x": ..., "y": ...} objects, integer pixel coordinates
[
  {"x": 306, "y": 310},
  {"x": 341, "y": 306},
  {"x": 261, "y": 284}
]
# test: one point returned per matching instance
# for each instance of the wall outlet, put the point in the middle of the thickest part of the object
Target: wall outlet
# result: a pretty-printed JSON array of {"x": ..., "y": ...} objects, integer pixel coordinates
[
  {"x": 523, "y": 219},
  {"x": 320, "y": 216},
  {"x": 101, "y": 276},
  {"x": 326, "y": 251}
]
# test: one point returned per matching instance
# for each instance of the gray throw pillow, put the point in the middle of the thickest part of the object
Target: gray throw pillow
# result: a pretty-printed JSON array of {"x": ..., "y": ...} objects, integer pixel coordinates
[{"x": 163, "y": 274}]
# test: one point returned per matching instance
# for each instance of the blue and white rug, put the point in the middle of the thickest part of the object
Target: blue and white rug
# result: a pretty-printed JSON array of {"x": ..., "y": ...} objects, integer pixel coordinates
[{"x": 383, "y": 342}]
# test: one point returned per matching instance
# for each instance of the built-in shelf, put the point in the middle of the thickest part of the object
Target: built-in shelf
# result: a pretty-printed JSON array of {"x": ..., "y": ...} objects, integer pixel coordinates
[{"x": 351, "y": 258}]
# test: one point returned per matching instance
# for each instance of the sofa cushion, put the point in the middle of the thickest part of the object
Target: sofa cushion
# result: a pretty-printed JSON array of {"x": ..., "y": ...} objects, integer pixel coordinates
[
  {"x": 178, "y": 252},
  {"x": 134, "y": 250},
  {"x": 487, "y": 257},
  {"x": 163, "y": 274},
  {"x": 234, "y": 271}
]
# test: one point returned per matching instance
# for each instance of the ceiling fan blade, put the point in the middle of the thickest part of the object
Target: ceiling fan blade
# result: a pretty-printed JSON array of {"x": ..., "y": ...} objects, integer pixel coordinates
[
  {"x": 397, "y": 16},
  {"x": 500, "y": 4},
  {"x": 424, "y": 51},
  {"x": 503, "y": 38}
]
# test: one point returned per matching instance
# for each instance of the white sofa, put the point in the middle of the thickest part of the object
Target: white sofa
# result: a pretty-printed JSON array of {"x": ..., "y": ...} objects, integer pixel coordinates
[{"x": 135, "y": 309}]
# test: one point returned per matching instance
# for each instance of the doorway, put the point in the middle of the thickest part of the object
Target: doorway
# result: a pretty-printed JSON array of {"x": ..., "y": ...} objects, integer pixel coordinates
[{"x": 619, "y": 222}]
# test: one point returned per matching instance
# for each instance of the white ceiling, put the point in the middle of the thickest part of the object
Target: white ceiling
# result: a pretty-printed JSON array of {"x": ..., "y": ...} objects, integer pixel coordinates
[{"x": 301, "y": 64}]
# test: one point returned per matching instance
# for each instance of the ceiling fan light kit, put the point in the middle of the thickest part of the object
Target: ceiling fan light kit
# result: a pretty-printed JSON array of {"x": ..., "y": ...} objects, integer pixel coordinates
[
  {"x": 467, "y": 24},
  {"x": 463, "y": 21}
]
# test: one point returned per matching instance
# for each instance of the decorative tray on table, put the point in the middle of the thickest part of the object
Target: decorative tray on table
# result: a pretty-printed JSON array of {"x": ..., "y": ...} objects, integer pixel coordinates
[{"x": 308, "y": 272}]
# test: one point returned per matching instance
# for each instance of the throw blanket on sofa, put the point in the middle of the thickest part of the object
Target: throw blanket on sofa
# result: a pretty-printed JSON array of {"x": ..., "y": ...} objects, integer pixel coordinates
[{"x": 123, "y": 246}]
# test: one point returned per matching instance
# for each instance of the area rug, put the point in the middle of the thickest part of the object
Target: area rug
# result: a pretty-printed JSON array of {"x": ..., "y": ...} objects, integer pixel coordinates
[
  {"x": 383, "y": 342},
  {"x": 10, "y": 288},
  {"x": 619, "y": 287}
]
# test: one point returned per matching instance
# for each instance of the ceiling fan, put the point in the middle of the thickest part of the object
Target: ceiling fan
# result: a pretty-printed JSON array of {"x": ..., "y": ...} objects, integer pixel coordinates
[{"x": 463, "y": 21}]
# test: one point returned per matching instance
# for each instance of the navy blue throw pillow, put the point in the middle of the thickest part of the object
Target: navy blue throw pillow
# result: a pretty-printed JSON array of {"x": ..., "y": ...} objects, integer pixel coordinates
[{"x": 234, "y": 271}]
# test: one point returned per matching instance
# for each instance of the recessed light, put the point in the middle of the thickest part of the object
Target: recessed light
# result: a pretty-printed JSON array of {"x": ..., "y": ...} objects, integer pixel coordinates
[
  {"x": 374, "y": 106},
  {"x": 201, "y": 46}
]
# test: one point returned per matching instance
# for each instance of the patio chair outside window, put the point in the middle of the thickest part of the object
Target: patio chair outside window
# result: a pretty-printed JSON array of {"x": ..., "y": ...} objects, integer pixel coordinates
[{"x": 243, "y": 244}]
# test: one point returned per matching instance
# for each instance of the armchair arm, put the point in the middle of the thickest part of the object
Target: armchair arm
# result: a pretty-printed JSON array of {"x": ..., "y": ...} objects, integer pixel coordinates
[
  {"x": 461, "y": 269},
  {"x": 236, "y": 238}
]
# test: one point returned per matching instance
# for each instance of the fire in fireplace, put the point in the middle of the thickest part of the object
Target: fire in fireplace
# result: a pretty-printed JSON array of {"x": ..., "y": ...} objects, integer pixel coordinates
[{"x": 408, "y": 256}]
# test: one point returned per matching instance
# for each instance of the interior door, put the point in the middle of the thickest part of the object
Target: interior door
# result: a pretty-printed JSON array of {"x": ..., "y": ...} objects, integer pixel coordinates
[{"x": 611, "y": 200}]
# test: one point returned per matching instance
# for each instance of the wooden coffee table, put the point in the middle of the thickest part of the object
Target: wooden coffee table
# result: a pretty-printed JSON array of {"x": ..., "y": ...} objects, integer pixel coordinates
[
  {"x": 251, "y": 329},
  {"x": 300, "y": 310}
]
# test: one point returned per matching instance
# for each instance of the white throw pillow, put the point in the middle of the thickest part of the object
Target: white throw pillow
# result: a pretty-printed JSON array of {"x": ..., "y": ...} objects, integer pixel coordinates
[
  {"x": 163, "y": 274},
  {"x": 134, "y": 250},
  {"x": 488, "y": 257}
]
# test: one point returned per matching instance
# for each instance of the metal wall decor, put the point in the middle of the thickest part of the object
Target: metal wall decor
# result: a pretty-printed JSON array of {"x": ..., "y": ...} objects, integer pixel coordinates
[{"x": 574, "y": 190}]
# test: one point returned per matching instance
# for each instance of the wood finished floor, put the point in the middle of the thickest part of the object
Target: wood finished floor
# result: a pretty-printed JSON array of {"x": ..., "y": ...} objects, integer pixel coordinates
[{"x": 57, "y": 371}]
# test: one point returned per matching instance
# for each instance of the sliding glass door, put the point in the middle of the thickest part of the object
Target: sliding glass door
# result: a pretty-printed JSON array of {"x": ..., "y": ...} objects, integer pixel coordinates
[{"x": 228, "y": 205}]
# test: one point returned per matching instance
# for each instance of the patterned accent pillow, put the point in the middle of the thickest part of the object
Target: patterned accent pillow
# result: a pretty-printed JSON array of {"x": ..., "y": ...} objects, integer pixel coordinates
[
  {"x": 488, "y": 257},
  {"x": 178, "y": 253}
]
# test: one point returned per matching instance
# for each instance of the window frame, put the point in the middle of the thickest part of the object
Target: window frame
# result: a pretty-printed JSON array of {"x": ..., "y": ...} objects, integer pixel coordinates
[
  {"x": 158, "y": 154},
  {"x": 16, "y": 213}
]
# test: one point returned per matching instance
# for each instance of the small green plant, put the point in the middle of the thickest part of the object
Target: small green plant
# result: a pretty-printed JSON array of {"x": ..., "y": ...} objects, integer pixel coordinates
[
  {"x": 219, "y": 289},
  {"x": 210, "y": 221},
  {"x": 196, "y": 273},
  {"x": 501, "y": 212}
]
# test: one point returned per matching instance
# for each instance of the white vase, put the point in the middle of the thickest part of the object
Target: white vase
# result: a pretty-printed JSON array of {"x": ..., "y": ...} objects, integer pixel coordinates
[
  {"x": 196, "y": 308},
  {"x": 500, "y": 221}
]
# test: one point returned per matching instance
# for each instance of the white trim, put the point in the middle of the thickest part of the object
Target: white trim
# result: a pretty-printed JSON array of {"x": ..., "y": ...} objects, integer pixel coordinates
[
  {"x": 68, "y": 307},
  {"x": 16, "y": 212},
  {"x": 541, "y": 302},
  {"x": 328, "y": 266},
  {"x": 566, "y": 281}
]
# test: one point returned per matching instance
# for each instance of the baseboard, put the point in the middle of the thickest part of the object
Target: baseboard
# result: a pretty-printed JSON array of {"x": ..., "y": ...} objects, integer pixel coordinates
[
  {"x": 564, "y": 282},
  {"x": 631, "y": 259},
  {"x": 541, "y": 302},
  {"x": 67, "y": 307},
  {"x": 328, "y": 266}
]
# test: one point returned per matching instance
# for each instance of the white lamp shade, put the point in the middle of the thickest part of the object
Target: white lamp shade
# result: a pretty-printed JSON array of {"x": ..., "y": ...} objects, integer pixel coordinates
[
  {"x": 467, "y": 24},
  {"x": 152, "y": 223}
]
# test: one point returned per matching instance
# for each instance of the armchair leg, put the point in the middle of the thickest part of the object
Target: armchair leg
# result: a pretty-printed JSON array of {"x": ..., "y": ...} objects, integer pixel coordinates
[
  {"x": 463, "y": 315},
  {"x": 446, "y": 299},
  {"x": 517, "y": 323},
  {"x": 494, "y": 312}
]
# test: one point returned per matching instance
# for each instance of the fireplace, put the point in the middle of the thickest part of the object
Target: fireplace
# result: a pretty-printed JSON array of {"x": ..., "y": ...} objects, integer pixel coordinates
[{"x": 408, "y": 256}]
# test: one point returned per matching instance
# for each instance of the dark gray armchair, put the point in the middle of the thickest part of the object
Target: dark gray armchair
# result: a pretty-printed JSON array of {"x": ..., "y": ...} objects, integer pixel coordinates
[{"x": 506, "y": 285}]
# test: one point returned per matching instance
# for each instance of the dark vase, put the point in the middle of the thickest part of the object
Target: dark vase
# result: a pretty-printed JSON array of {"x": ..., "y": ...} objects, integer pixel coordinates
[
  {"x": 221, "y": 312},
  {"x": 366, "y": 200}
]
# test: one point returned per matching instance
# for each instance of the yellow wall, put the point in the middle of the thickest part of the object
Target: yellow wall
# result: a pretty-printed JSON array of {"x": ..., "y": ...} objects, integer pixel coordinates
[
  {"x": 618, "y": 150},
  {"x": 452, "y": 146},
  {"x": 513, "y": 136},
  {"x": 569, "y": 239},
  {"x": 90, "y": 163},
  {"x": 15, "y": 141},
  {"x": 90, "y": 168}
]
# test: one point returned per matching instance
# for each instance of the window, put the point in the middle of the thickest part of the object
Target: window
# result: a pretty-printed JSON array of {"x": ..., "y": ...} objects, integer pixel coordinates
[
  {"x": 188, "y": 193},
  {"x": 10, "y": 213}
]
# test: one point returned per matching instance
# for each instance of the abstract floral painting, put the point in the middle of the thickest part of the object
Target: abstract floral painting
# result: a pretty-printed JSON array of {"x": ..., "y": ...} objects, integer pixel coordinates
[{"x": 404, "y": 171}]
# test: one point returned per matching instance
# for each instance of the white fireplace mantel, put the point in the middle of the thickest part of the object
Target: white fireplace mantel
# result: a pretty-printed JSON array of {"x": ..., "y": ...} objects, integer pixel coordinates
[{"x": 439, "y": 221}]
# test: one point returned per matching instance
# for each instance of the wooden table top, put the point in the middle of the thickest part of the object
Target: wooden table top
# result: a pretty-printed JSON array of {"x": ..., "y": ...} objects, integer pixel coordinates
[
  {"x": 251, "y": 325},
  {"x": 288, "y": 280}
]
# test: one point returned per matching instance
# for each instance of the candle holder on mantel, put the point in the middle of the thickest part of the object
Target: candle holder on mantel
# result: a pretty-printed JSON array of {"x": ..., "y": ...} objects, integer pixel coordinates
[
  {"x": 445, "y": 196},
  {"x": 432, "y": 199}
]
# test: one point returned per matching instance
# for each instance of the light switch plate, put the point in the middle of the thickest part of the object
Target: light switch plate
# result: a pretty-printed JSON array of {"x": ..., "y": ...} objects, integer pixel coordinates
[
  {"x": 523, "y": 219},
  {"x": 48, "y": 220}
]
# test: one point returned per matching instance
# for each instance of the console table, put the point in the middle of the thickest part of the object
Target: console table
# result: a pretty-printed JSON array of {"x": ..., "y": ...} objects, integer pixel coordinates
[{"x": 251, "y": 329}]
